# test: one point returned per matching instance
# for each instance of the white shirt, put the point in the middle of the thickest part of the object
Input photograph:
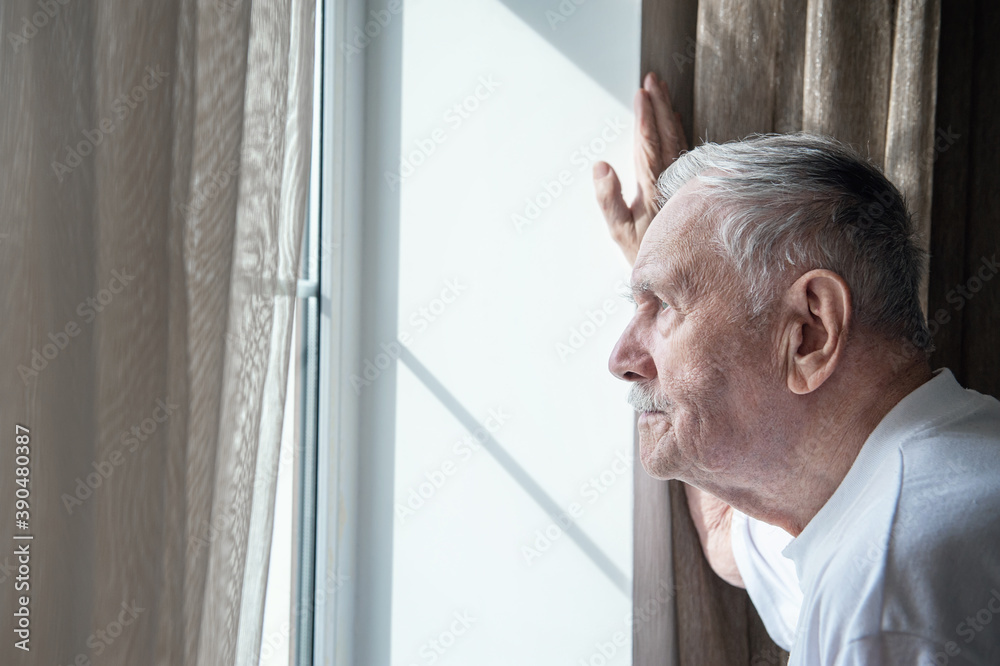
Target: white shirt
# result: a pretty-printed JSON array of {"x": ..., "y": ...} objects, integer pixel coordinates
[
  {"x": 769, "y": 576},
  {"x": 902, "y": 564}
]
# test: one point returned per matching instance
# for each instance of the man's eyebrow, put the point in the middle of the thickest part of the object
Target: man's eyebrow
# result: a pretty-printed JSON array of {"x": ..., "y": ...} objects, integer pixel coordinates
[
  {"x": 634, "y": 290},
  {"x": 679, "y": 285}
]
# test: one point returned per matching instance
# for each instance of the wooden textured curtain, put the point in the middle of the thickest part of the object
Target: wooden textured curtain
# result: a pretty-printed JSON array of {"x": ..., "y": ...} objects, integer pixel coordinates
[
  {"x": 867, "y": 72},
  {"x": 155, "y": 160}
]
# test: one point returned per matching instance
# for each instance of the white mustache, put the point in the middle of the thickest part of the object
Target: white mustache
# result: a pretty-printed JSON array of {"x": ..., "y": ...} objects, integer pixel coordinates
[{"x": 644, "y": 398}]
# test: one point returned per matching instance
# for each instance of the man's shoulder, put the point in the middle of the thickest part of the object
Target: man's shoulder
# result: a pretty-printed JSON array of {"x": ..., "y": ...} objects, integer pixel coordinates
[
  {"x": 920, "y": 547},
  {"x": 950, "y": 472},
  {"x": 916, "y": 548},
  {"x": 942, "y": 558}
]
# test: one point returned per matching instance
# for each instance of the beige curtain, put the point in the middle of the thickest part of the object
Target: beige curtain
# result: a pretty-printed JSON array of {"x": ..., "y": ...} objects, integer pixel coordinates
[
  {"x": 155, "y": 160},
  {"x": 864, "y": 71}
]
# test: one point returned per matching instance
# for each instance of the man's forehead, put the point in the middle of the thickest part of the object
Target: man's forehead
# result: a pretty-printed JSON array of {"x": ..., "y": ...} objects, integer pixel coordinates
[{"x": 677, "y": 231}]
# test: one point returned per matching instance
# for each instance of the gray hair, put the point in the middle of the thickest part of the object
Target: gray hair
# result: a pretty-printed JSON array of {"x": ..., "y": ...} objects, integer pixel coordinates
[{"x": 788, "y": 203}]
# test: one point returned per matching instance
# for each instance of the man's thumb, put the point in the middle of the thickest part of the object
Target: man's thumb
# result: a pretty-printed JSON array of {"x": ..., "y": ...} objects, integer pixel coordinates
[{"x": 609, "y": 197}]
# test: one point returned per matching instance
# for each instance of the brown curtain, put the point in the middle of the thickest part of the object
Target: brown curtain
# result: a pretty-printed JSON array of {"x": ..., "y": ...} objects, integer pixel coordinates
[
  {"x": 965, "y": 210},
  {"x": 155, "y": 159},
  {"x": 864, "y": 71}
]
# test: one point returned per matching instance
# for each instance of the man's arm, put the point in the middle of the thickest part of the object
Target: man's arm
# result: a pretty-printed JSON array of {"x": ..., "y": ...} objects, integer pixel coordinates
[
  {"x": 713, "y": 519},
  {"x": 659, "y": 140}
]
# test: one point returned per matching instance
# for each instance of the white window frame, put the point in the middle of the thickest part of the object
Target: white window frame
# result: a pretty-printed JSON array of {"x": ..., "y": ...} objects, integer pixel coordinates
[{"x": 353, "y": 592}]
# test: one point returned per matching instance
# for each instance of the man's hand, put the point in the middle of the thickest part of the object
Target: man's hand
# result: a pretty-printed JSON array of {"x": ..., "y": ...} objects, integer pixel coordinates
[
  {"x": 659, "y": 140},
  {"x": 713, "y": 519}
]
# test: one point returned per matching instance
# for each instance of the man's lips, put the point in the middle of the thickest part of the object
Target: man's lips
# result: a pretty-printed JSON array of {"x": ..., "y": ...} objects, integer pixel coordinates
[{"x": 646, "y": 416}]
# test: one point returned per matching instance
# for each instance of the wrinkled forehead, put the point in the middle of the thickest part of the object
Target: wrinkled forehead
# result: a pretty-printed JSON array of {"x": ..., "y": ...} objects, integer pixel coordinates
[{"x": 680, "y": 233}]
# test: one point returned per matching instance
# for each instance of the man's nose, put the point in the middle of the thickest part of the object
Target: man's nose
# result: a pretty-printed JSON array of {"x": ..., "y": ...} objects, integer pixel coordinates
[{"x": 629, "y": 359}]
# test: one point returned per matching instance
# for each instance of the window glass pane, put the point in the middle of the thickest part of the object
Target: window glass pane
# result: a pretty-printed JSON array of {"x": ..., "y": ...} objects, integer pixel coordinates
[
  {"x": 276, "y": 631},
  {"x": 513, "y": 542}
]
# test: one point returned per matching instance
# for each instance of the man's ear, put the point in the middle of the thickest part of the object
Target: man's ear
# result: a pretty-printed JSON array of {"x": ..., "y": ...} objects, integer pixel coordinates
[{"x": 816, "y": 313}]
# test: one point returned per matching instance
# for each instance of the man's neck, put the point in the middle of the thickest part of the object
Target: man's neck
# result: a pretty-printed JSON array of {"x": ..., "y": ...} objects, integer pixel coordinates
[{"x": 803, "y": 477}]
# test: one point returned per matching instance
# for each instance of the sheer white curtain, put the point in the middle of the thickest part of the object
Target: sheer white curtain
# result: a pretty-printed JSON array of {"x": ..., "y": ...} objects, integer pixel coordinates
[{"x": 155, "y": 161}]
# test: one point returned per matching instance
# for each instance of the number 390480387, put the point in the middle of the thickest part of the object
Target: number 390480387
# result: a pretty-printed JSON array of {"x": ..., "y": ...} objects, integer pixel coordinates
[{"x": 22, "y": 471}]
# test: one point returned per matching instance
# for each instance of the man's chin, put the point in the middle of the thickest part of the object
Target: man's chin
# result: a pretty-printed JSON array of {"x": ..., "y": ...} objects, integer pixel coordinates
[{"x": 653, "y": 430}]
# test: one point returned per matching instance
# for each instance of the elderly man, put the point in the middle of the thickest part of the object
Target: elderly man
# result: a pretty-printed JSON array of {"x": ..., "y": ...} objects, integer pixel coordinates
[{"x": 778, "y": 361}]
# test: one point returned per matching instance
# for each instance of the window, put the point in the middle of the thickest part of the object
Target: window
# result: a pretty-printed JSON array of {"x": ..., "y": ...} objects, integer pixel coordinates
[{"x": 474, "y": 459}]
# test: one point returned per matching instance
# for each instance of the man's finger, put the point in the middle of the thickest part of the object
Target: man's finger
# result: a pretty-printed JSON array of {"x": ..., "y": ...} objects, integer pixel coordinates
[
  {"x": 647, "y": 149},
  {"x": 663, "y": 113},
  {"x": 676, "y": 141},
  {"x": 609, "y": 198}
]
